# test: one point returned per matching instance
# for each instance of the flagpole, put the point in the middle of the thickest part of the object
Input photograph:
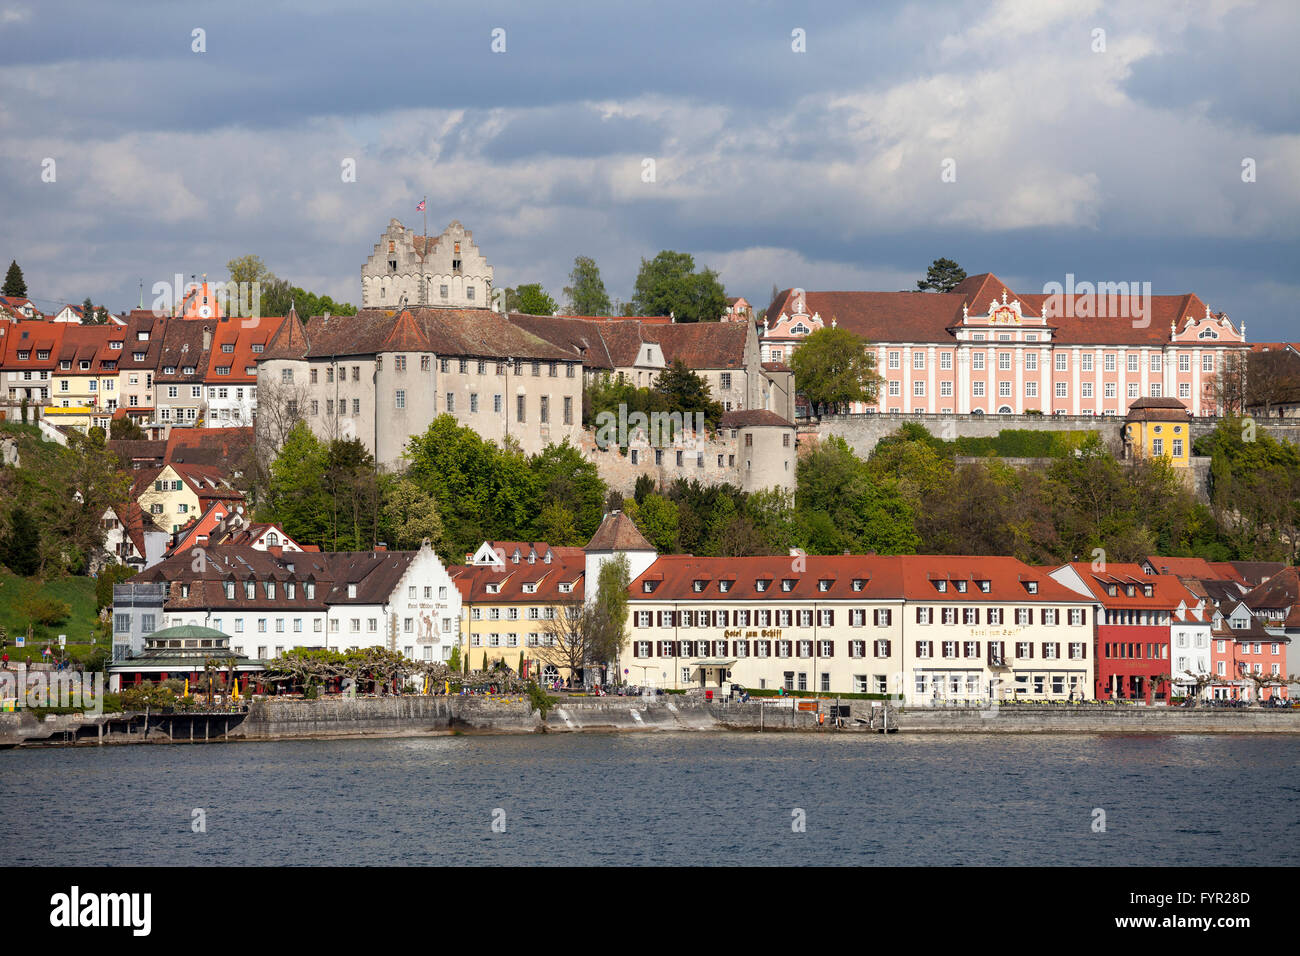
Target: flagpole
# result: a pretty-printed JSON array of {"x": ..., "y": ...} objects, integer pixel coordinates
[{"x": 424, "y": 208}]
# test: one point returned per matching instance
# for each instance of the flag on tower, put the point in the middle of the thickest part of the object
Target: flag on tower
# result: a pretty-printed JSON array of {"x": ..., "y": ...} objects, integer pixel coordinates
[{"x": 420, "y": 208}]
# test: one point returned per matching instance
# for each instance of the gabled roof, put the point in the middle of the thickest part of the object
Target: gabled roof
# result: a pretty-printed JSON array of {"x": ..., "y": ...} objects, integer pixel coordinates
[
  {"x": 1279, "y": 593},
  {"x": 242, "y": 336}
]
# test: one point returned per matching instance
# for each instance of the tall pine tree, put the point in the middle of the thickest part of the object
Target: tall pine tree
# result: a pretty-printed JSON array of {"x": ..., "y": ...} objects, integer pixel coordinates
[{"x": 15, "y": 284}]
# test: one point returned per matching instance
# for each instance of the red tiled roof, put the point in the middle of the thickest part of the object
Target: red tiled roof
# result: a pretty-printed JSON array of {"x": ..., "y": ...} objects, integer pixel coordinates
[
  {"x": 910, "y": 577},
  {"x": 747, "y": 418},
  {"x": 241, "y": 335},
  {"x": 478, "y": 333},
  {"x": 928, "y": 316},
  {"x": 1191, "y": 568},
  {"x": 1166, "y": 590},
  {"x": 545, "y": 579}
]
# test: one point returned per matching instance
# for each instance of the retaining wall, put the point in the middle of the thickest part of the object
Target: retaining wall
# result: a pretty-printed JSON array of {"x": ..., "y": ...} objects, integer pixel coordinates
[{"x": 1100, "y": 719}]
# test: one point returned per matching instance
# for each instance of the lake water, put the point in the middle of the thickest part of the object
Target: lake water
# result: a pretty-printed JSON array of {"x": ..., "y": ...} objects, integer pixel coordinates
[{"x": 661, "y": 799}]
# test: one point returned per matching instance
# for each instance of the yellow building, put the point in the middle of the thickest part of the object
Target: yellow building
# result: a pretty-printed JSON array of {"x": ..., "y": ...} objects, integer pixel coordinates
[
  {"x": 511, "y": 592},
  {"x": 1159, "y": 428},
  {"x": 177, "y": 494}
]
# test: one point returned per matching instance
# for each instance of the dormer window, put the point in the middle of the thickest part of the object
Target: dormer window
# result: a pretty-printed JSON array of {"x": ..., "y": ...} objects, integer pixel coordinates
[
  {"x": 858, "y": 584},
  {"x": 1130, "y": 590},
  {"x": 250, "y": 590},
  {"x": 138, "y": 356},
  {"x": 494, "y": 589},
  {"x": 352, "y": 590},
  {"x": 230, "y": 590},
  {"x": 270, "y": 589},
  {"x": 984, "y": 586},
  {"x": 823, "y": 585},
  {"x": 1031, "y": 587},
  {"x": 724, "y": 586},
  {"x": 648, "y": 586},
  {"x": 961, "y": 587},
  {"x": 941, "y": 586},
  {"x": 547, "y": 559},
  {"x": 228, "y": 347},
  {"x": 787, "y": 584},
  {"x": 697, "y": 586},
  {"x": 1112, "y": 590},
  {"x": 760, "y": 585},
  {"x": 1148, "y": 590},
  {"x": 530, "y": 588},
  {"x": 311, "y": 591},
  {"x": 566, "y": 587}
]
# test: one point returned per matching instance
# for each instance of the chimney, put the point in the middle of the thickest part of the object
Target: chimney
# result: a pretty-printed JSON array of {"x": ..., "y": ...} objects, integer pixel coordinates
[
  {"x": 381, "y": 546},
  {"x": 275, "y": 549},
  {"x": 207, "y": 338}
]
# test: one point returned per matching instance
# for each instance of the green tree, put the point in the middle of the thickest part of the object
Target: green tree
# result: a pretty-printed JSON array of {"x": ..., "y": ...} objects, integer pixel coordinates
[
  {"x": 15, "y": 284},
  {"x": 110, "y": 575},
  {"x": 833, "y": 367},
  {"x": 125, "y": 428},
  {"x": 352, "y": 485},
  {"x": 587, "y": 295},
  {"x": 296, "y": 498},
  {"x": 20, "y": 549},
  {"x": 656, "y": 517},
  {"x": 839, "y": 507},
  {"x": 555, "y": 525},
  {"x": 249, "y": 268},
  {"x": 530, "y": 299},
  {"x": 566, "y": 477},
  {"x": 307, "y": 304},
  {"x": 612, "y": 582},
  {"x": 409, "y": 515},
  {"x": 943, "y": 276},
  {"x": 668, "y": 284},
  {"x": 689, "y": 394}
]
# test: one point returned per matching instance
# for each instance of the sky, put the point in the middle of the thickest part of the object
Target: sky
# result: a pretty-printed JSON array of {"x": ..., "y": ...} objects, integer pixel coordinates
[{"x": 828, "y": 146}]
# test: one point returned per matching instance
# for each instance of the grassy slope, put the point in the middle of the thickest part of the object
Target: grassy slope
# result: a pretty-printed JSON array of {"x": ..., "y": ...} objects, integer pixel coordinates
[
  {"x": 78, "y": 593},
  {"x": 37, "y": 458}
]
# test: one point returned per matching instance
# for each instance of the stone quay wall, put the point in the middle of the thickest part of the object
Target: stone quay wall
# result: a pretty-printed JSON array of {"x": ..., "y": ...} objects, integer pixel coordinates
[{"x": 1099, "y": 720}]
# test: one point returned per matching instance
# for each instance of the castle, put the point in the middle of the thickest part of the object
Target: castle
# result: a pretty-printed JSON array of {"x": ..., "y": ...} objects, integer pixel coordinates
[{"x": 440, "y": 272}]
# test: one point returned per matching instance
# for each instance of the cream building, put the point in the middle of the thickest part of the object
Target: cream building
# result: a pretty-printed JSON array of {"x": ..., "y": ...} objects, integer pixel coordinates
[
  {"x": 383, "y": 378},
  {"x": 936, "y": 630}
]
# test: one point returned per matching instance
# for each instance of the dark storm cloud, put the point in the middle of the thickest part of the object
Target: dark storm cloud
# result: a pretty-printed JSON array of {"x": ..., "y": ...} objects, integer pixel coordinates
[{"x": 785, "y": 168}]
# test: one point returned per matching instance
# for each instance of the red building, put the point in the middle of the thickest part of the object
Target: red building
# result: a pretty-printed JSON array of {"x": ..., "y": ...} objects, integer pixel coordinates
[{"x": 1131, "y": 637}]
